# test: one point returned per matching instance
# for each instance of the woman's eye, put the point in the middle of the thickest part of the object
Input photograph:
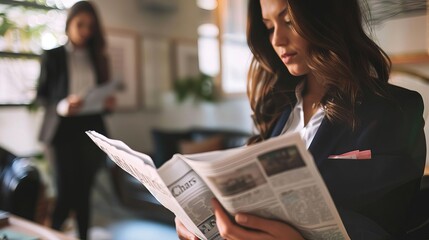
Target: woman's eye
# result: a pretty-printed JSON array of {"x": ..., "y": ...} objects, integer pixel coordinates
[{"x": 270, "y": 30}]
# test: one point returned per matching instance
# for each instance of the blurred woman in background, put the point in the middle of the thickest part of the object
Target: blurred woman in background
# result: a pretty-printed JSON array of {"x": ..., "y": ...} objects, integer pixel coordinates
[{"x": 68, "y": 73}]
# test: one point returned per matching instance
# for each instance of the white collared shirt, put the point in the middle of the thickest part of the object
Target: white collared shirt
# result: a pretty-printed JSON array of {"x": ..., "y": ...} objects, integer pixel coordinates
[
  {"x": 80, "y": 70},
  {"x": 295, "y": 123}
]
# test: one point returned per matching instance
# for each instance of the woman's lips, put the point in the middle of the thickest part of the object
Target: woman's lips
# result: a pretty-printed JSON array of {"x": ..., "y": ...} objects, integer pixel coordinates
[{"x": 287, "y": 57}]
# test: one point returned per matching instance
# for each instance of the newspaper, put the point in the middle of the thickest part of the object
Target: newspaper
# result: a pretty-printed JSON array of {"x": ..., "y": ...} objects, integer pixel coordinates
[
  {"x": 93, "y": 100},
  {"x": 275, "y": 179}
]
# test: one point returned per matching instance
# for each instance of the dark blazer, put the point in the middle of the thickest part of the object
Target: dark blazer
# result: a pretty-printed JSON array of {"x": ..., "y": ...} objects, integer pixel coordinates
[
  {"x": 53, "y": 86},
  {"x": 373, "y": 196}
]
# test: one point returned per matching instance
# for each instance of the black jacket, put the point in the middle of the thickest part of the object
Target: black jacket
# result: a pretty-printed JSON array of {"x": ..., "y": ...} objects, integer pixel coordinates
[
  {"x": 373, "y": 196},
  {"x": 53, "y": 87}
]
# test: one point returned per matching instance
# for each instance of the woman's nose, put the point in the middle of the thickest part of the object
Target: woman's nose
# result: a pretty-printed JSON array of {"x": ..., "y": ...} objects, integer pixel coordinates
[
  {"x": 85, "y": 32},
  {"x": 279, "y": 37}
]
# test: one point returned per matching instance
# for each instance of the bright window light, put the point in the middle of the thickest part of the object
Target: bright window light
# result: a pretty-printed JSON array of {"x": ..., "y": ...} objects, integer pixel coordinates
[
  {"x": 207, "y": 4},
  {"x": 208, "y": 49}
]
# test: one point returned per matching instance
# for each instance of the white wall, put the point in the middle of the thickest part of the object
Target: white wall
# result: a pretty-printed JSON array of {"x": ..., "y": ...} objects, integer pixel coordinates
[
  {"x": 403, "y": 35},
  {"x": 19, "y": 130},
  {"x": 128, "y": 14}
]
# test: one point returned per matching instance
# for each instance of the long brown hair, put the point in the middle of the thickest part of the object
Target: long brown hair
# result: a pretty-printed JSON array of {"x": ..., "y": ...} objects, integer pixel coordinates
[
  {"x": 97, "y": 43},
  {"x": 341, "y": 55}
]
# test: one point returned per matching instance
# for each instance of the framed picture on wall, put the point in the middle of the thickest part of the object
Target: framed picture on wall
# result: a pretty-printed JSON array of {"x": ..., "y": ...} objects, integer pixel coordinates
[
  {"x": 123, "y": 49},
  {"x": 156, "y": 52},
  {"x": 185, "y": 59},
  {"x": 235, "y": 54}
]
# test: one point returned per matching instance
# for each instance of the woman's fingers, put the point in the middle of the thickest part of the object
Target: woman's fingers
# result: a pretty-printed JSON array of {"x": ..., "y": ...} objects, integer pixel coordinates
[
  {"x": 229, "y": 230},
  {"x": 258, "y": 223},
  {"x": 183, "y": 232},
  {"x": 276, "y": 229},
  {"x": 74, "y": 100},
  {"x": 110, "y": 103}
]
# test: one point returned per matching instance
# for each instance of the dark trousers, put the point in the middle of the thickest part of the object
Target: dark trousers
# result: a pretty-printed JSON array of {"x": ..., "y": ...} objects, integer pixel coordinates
[{"x": 76, "y": 160}]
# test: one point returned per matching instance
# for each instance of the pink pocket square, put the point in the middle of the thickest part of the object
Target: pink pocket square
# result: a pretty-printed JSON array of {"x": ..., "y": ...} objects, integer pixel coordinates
[{"x": 359, "y": 155}]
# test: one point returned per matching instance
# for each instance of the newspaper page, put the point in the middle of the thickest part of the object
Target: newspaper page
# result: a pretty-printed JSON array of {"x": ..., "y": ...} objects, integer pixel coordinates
[
  {"x": 93, "y": 101},
  {"x": 193, "y": 195},
  {"x": 175, "y": 185},
  {"x": 276, "y": 179},
  {"x": 140, "y": 167}
]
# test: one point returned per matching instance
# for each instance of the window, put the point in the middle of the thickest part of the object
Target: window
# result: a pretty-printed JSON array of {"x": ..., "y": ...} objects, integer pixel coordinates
[
  {"x": 26, "y": 28},
  {"x": 208, "y": 49},
  {"x": 235, "y": 54}
]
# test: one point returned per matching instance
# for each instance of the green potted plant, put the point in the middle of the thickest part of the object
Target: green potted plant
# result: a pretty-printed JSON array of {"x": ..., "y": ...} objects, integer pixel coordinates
[{"x": 200, "y": 88}]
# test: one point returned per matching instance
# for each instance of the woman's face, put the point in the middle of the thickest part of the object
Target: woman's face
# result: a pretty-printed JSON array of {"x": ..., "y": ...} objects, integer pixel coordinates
[
  {"x": 80, "y": 29},
  {"x": 289, "y": 46}
]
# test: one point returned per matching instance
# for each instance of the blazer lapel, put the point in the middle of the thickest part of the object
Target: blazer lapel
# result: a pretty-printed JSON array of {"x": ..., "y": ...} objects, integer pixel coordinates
[
  {"x": 325, "y": 140},
  {"x": 61, "y": 73},
  {"x": 278, "y": 128}
]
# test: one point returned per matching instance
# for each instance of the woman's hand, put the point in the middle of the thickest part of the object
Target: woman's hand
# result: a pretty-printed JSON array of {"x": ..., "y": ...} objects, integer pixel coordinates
[
  {"x": 256, "y": 228},
  {"x": 110, "y": 103},
  {"x": 75, "y": 103},
  {"x": 182, "y": 232}
]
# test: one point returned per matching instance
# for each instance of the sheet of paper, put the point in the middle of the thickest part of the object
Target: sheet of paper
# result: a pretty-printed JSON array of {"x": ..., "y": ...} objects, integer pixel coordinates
[{"x": 93, "y": 101}]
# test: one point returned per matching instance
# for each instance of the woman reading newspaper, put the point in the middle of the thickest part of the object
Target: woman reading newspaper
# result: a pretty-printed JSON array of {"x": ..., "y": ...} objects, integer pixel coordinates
[{"x": 315, "y": 71}]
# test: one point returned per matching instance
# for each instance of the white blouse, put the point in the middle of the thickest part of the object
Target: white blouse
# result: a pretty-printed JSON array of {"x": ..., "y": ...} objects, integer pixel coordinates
[
  {"x": 80, "y": 70},
  {"x": 295, "y": 123}
]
